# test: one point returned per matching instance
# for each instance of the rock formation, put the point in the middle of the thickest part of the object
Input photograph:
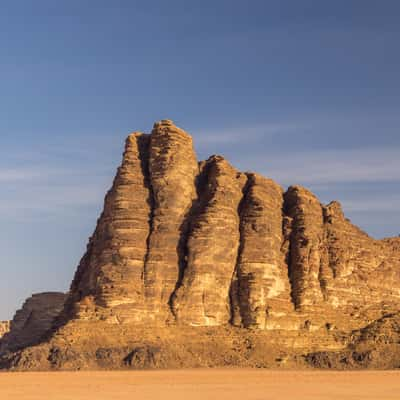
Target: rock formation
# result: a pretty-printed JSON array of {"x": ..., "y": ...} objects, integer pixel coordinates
[
  {"x": 212, "y": 245},
  {"x": 172, "y": 170},
  {"x": 109, "y": 281},
  {"x": 262, "y": 281},
  {"x": 32, "y": 321},
  {"x": 198, "y": 264},
  {"x": 375, "y": 346}
]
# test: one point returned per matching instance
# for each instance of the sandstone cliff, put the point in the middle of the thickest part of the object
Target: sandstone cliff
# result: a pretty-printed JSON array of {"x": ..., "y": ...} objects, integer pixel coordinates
[{"x": 186, "y": 249}]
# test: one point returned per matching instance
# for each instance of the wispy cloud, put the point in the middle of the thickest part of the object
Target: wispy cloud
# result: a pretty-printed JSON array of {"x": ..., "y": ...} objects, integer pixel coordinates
[
  {"x": 9, "y": 175},
  {"x": 327, "y": 166},
  {"x": 239, "y": 134},
  {"x": 39, "y": 186},
  {"x": 385, "y": 203},
  {"x": 51, "y": 199}
]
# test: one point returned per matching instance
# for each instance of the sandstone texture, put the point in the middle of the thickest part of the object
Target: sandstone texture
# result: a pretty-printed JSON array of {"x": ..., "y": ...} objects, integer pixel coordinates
[
  {"x": 212, "y": 245},
  {"x": 196, "y": 264},
  {"x": 109, "y": 282},
  {"x": 32, "y": 321},
  {"x": 173, "y": 169}
]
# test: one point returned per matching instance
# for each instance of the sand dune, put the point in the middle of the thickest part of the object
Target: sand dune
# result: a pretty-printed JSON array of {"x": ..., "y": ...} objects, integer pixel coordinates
[{"x": 232, "y": 384}]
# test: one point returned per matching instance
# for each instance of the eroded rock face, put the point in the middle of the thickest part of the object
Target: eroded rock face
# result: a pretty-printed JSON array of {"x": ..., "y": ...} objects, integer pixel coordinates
[
  {"x": 173, "y": 170},
  {"x": 307, "y": 247},
  {"x": 212, "y": 247},
  {"x": 362, "y": 270},
  {"x": 136, "y": 255},
  {"x": 376, "y": 346},
  {"x": 33, "y": 320},
  {"x": 205, "y": 245},
  {"x": 183, "y": 249},
  {"x": 109, "y": 282},
  {"x": 263, "y": 284}
]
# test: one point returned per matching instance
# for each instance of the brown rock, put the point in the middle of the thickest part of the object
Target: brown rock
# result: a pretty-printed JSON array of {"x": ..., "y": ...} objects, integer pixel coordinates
[
  {"x": 173, "y": 170},
  {"x": 110, "y": 275},
  {"x": 363, "y": 269},
  {"x": 307, "y": 249},
  {"x": 376, "y": 346},
  {"x": 263, "y": 283},
  {"x": 33, "y": 320},
  {"x": 203, "y": 298}
]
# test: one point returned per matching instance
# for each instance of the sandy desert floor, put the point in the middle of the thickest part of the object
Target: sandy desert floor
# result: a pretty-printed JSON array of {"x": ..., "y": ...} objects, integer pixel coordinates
[{"x": 218, "y": 384}]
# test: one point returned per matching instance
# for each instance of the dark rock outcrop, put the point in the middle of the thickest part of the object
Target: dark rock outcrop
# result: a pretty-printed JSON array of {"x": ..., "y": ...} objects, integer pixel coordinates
[
  {"x": 33, "y": 320},
  {"x": 375, "y": 346}
]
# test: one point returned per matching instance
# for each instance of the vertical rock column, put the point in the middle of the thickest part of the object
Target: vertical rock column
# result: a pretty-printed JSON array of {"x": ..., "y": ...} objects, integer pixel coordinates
[
  {"x": 173, "y": 171},
  {"x": 203, "y": 298},
  {"x": 307, "y": 248},
  {"x": 110, "y": 275},
  {"x": 263, "y": 283}
]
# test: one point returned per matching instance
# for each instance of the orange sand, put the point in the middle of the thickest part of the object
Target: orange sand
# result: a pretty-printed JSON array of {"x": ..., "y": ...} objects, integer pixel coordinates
[{"x": 232, "y": 384}]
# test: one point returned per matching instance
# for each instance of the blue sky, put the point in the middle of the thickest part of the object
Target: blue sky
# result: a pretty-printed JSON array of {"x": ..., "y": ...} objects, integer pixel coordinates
[{"x": 306, "y": 92}]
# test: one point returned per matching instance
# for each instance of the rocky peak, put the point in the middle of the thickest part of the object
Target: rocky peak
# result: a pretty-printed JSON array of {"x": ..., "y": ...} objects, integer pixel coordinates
[{"x": 204, "y": 244}]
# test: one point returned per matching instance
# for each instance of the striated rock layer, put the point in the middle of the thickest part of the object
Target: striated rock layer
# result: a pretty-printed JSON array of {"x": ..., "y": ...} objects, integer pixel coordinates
[
  {"x": 109, "y": 283},
  {"x": 173, "y": 170},
  {"x": 263, "y": 287},
  {"x": 212, "y": 246},
  {"x": 198, "y": 264}
]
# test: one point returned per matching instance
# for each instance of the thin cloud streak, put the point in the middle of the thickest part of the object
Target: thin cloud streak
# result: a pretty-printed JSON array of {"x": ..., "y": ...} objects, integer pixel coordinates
[
  {"x": 387, "y": 204},
  {"x": 8, "y": 175},
  {"x": 328, "y": 167},
  {"x": 237, "y": 135}
]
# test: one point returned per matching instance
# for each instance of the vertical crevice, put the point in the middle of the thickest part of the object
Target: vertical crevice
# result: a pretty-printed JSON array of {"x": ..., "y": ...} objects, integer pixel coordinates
[
  {"x": 185, "y": 230},
  {"x": 326, "y": 271},
  {"x": 235, "y": 303},
  {"x": 144, "y": 158},
  {"x": 287, "y": 231},
  {"x": 323, "y": 264}
]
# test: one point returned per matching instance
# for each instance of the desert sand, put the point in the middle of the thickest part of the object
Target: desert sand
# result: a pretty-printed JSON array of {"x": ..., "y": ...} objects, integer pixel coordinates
[{"x": 232, "y": 384}]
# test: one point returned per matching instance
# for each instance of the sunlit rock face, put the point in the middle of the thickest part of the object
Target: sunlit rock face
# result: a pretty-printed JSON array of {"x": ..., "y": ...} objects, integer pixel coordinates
[
  {"x": 212, "y": 247},
  {"x": 173, "y": 170},
  {"x": 262, "y": 281},
  {"x": 109, "y": 280},
  {"x": 203, "y": 244}
]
